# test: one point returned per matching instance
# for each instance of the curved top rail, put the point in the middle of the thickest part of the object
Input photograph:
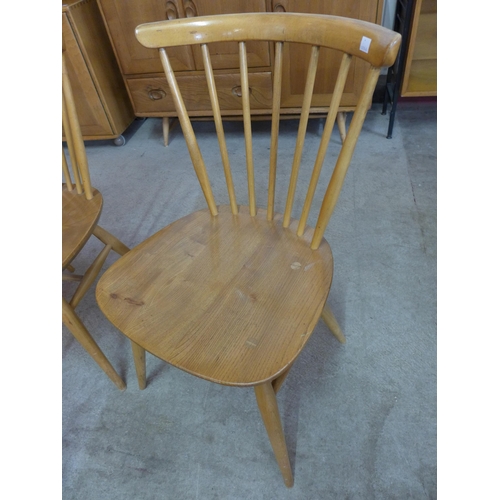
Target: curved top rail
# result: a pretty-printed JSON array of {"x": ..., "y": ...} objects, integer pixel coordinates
[{"x": 373, "y": 43}]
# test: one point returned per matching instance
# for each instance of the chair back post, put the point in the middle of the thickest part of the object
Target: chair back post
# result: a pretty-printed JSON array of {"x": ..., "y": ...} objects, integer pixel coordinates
[{"x": 74, "y": 138}]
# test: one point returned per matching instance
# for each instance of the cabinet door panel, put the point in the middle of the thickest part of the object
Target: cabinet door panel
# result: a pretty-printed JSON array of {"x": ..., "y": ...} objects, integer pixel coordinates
[
  {"x": 123, "y": 16},
  {"x": 329, "y": 60},
  {"x": 420, "y": 77},
  {"x": 91, "y": 114},
  {"x": 225, "y": 56}
]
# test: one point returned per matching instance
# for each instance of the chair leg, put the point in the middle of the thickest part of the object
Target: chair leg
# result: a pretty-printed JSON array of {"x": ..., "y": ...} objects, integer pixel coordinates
[
  {"x": 140, "y": 364},
  {"x": 278, "y": 381},
  {"x": 331, "y": 322},
  {"x": 109, "y": 239},
  {"x": 77, "y": 328},
  {"x": 268, "y": 406},
  {"x": 89, "y": 276},
  {"x": 341, "y": 117},
  {"x": 166, "y": 129},
  {"x": 168, "y": 125}
]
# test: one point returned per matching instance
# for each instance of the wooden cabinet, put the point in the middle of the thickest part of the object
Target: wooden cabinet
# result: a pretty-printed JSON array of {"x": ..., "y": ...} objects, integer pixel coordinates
[
  {"x": 101, "y": 99},
  {"x": 147, "y": 86},
  {"x": 420, "y": 76}
]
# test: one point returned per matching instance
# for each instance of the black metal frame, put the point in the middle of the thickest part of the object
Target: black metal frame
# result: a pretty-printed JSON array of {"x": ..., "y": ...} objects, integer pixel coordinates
[{"x": 402, "y": 24}]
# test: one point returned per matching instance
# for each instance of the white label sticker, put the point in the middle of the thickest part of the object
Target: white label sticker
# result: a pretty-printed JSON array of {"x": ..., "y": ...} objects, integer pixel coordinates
[{"x": 364, "y": 46}]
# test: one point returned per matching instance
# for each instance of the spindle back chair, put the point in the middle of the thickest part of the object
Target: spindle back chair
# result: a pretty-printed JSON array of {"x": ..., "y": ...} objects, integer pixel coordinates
[
  {"x": 81, "y": 209},
  {"x": 231, "y": 293}
]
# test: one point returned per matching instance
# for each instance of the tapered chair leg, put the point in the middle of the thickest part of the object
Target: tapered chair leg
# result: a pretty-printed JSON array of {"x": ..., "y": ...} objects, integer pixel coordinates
[
  {"x": 77, "y": 328},
  {"x": 268, "y": 406},
  {"x": 90, "y": 276},
  {"x": 331, "y": 322},
  {"x": 140, "y": 364},
  {"x": 166, "y": 129},
  {"x": 168, "y": 126},
  {"x": 278, "y": 381},
  {"x": 341, "y": 117}
]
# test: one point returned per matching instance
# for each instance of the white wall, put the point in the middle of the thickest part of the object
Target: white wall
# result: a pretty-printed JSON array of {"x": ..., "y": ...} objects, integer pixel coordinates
[{"x": 388, "y": 13}]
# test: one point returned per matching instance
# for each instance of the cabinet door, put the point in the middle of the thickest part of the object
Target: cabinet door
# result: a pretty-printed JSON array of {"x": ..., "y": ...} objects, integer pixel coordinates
[
  {"x": 420, "y": 77},
  {"x": 123, "y": 16},
  {"x": 294, "y": 75},
  {"x": 225, "y": 56},
  {"x": 91, "y": 114}
]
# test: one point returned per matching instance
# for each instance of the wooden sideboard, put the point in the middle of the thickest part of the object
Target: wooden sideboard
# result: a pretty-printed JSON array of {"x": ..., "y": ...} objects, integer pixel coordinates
[
  {"x": 101, "y": 99},
  {"x": 147, "y": 85}
]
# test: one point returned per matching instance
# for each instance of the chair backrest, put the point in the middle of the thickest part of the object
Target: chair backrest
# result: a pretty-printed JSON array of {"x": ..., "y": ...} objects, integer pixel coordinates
[
  {"x": 74, "y": 139},
  {"x": 374, "y": 44}
]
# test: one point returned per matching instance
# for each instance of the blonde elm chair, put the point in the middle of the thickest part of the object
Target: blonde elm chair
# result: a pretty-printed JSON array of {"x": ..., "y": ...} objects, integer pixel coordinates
[
  {"x": 81, "y": 209},
  {"x": 232, "y": 293}
]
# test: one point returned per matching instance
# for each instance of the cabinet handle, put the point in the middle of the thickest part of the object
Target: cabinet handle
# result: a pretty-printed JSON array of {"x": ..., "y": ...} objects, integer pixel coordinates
[
  {"x": 156, "y": 94},
  {"x": 171, "y": 12},
  {"x": 279, "y": 8},
  {"x": 190, "y": 9},
  {"x": 237, "y": 91}
]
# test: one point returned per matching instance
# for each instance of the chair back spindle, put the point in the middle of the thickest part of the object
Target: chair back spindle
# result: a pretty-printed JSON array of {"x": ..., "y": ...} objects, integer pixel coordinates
[
  {"x": 247, "y": 124},
  {"x": 71, "y": 152},
  {"x": 299, "y": 145},
  {"x": 344, "y": 158},
  {"x": 214, "y": 100},
  {"x": 66, "y": 174},
  {"x": 325, "y": 139},
  {"x": 74, "y": 140},
  {"x": 275, "y": 123},
  {"x": 187, "y": 128},
  {"x": 355, "y": 39}
]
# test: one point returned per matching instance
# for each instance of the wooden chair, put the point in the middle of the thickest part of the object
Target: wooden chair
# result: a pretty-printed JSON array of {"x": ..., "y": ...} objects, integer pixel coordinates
[
  {"x": 232, "y": 293},
  {"x": 81, "y": 209}
]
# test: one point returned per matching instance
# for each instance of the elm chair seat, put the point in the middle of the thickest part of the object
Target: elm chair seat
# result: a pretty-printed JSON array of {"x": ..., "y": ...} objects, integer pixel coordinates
[{"x": 220, "y": 297}]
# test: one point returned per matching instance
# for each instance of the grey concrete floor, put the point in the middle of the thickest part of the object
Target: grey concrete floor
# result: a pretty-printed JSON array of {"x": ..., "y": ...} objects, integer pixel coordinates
[{"x": 359, "y": 418}]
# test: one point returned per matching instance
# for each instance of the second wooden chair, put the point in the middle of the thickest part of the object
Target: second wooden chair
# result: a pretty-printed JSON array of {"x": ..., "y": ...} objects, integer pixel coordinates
[{"x": 81, "y": 209}]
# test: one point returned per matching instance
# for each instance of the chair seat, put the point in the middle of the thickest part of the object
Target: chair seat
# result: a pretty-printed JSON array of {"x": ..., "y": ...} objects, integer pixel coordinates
[
  {"x": 231, "y": 298},
  {"x": 79, "y": 218}
]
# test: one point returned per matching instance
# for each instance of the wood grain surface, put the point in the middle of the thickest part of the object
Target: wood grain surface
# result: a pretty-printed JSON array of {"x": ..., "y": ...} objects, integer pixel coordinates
[{"x": 229, "y": 298}]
